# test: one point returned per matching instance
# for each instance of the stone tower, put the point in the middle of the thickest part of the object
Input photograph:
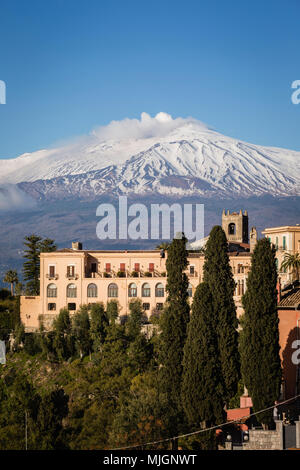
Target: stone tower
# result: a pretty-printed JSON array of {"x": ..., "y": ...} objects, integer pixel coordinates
[
  {"x": 253, "y": 238},
  {"x": 235, "y": 225}
]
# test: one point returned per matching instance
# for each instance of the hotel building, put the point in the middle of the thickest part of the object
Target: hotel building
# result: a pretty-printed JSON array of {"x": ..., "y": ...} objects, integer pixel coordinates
[{"x": 73, "y": 277}]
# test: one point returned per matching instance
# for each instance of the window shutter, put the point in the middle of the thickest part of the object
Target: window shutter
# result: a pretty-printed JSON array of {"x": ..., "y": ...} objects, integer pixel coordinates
[
  {"x": 71, "y": 271},
  {"x": 151, "y": 267}
]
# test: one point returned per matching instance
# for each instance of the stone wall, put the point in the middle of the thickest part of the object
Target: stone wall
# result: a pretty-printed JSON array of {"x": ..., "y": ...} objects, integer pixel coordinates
[{"x": 265, "y": 440}]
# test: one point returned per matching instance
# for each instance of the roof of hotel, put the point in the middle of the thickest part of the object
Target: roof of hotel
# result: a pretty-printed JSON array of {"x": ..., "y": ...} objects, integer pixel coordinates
[
  {"x": 283, "y": 228},
  {"x": 291, "y": 298},
  {"x": 70, "y": 250},
  {"x": 191, "y": 254}
]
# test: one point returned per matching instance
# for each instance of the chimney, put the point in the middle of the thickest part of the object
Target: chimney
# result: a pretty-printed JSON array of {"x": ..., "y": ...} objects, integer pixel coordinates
[
  {"x": 76, "y": 246},
  {"x": 278, "y": 287}
]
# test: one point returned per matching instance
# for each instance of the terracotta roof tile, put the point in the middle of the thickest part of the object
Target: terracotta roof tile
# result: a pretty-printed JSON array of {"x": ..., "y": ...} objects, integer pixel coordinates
[{"x": 290, "y": 299}]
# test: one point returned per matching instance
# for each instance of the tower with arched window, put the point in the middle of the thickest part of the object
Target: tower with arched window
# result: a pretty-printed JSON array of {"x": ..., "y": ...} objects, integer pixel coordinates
[{"x": 235, "y": 225}]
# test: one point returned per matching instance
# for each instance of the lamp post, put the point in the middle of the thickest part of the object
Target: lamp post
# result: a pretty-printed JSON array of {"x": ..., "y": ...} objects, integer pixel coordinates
[{"x": 26, "y": 439}]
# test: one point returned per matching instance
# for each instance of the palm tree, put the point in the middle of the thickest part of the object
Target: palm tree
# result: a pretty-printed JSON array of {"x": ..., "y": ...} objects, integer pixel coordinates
[
  {"x": 292, "y": 261},
  {"x": 163, "y": 246},
  {"x": 11, "y": 277}
]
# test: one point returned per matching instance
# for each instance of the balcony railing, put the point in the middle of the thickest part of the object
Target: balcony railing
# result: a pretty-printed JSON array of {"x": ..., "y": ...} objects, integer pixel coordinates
[
  {"x": 72, "y": 277},
  {"x": 133, "y": 274},
  {"x": 192, "y": 274},
  {"x": 125, "y": 274},
  {"x": 51, "y": 277},
  {"x": 92, "y": 274}
]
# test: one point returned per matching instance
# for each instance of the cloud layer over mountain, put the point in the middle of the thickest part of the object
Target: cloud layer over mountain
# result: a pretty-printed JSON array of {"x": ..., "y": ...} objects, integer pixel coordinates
[{"x": 145, "y": 128}]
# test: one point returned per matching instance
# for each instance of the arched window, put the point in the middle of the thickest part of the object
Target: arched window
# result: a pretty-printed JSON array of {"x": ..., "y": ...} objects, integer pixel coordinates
[
  {"x": 71, "y": 290},
  {"x": 132, "y": 290},
  {"x": 231, "y": 229},
  {"x": 112, "y": 290},
  {"x": 146, "y": 291},
  {"x": 240, "y": 269},
  {"x": 51, "y": 290},
  {"x": 92, "y": 290},
  {"x": 190, "y": 290},
  {"x": 159, "y": 290}
]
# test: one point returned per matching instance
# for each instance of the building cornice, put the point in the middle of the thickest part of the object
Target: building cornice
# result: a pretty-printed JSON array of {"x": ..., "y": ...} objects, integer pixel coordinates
[{"x": 287, "y": 228}]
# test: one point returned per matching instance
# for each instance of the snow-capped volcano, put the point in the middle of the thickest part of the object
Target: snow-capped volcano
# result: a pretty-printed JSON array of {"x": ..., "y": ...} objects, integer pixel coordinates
[{"x": 161, "y": 155}]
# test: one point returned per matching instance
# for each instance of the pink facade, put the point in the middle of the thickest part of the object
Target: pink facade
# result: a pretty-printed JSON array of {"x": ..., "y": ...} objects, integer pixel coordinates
[{"x": 71, "y": 277}]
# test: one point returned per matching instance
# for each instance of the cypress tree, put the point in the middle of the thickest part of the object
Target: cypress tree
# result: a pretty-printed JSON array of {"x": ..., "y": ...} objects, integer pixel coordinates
[
  {"x": 112, "y": 310},
  {"x": 134, "y": 322},
  {"x": 140, "y": 349},
  {"x": 99, "y": 324},
  {"x": 114, "y": 353},
  {"x": 81, "y": 331},
  {"x": 173, "y": 334},
  {"x": 31, "y": 267},
  {"x": 218, "y": 275},
  {"x": 63, "y": 341},
  {"x": 259, "y": 339},
  {"x": 201, "y": 392}
]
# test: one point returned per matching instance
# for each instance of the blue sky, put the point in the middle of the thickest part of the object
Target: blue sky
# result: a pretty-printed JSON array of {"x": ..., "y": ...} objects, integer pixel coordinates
[{"x": 70, "y": 66}]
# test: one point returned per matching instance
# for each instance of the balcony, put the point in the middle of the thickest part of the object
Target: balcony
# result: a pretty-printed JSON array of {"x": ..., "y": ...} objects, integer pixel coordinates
[
  {"x": 53, "y": 277},
  {"x": 192, "y": 274},
  {"x": 281, "y": 248},
  {"x": 92, "y": 275},
  {"x": 124, "y": 274},
  {"x": 72, "y": 277}
]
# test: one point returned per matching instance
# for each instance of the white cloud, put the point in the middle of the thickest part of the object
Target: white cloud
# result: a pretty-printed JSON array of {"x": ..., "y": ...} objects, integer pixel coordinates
[
  {"x": 13, "y": 198},
  {"x": 146, "y": 127},
  {"x": 85, "y": 153}
]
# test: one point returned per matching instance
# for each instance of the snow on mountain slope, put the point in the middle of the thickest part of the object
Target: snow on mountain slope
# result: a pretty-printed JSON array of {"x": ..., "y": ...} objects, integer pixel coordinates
[{"x": 160, "y": 154}]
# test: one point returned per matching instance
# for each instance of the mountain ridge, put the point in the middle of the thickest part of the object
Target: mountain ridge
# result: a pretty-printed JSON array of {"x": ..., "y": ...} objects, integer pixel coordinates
[{"x": 161, "y": 154}]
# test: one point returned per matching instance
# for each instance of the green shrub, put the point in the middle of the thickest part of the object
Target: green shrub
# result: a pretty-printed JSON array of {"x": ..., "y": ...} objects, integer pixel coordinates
[
  {"x": 32, "y": 344},
  {"x": 134, "y": 274}
]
